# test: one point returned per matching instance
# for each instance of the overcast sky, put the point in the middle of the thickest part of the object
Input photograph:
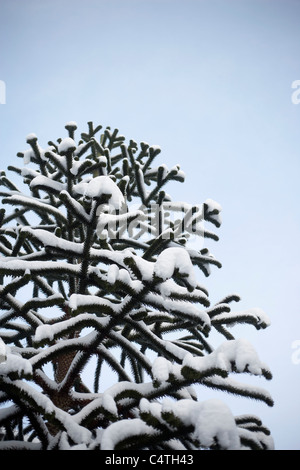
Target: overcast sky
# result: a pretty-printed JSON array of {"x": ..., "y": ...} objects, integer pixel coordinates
[{"x": 211, "y": 83}]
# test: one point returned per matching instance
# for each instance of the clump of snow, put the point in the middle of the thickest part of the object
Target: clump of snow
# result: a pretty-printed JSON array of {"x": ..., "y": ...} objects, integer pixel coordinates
[
  {"x": 116, "y": 432},
  {"x": 212, "y": 420},
  {"x": 31, "y": 137},
  {"x": 80, "y": 300},
  {"x": 2, "y": 351},
  {"x": 161, "y": 369},
  {"x": 101, "y": 185},
  {"x": 261, "y": 318},
  {"x": 27, "y": 154},
  {"x": 170, "y": 260},
  {"x": 214, "y": 209},
  {"x": 213, "y": 205},
  {"x": 47, "y": 182},
  {"x": 44, "y": 332},
  {"x": 239, "y": 353},
  {"x": 66, "y": 145},
  {"x": 112, "y": 273},
  {"x": 71, "y": 124},
  {"x": 17, "y": 364},
  {"x": 48, "y": 332},
  {"x": 109, "y": 404}
]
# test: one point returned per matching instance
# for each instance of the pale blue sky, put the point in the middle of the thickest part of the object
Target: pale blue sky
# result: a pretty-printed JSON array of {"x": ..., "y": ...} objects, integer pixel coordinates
[{"x": 210, "y": 82}]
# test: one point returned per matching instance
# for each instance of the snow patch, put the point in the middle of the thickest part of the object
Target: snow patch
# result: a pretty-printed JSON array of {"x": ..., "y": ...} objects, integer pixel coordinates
[
  {"x": 71, "y": 124},
  {"x": 116, "y": 432},
  {"x": 212, "y": 420},
  {"x": 213, "y": 206},
  {"x": 112, "y": 273},
  {"x": 161, "y": 369},
  {"x": 238, "y": 352},
  {"x": 48, "y": 182},
  {"x": 109, "y": 404},
  {"x": 17, "y": 364},
  {"x": 30, "y": 137}
]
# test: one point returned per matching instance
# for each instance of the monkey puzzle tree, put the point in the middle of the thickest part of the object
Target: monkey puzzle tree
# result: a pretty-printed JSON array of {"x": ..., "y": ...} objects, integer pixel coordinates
[{"x": 96, "y": 270}]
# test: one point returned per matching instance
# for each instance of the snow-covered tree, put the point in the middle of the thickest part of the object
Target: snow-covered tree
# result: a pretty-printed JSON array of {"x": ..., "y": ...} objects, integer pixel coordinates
[{"x": 96, "y": 270}]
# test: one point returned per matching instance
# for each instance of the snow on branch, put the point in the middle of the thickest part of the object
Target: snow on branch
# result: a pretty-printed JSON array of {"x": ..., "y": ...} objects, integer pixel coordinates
[
  {"x": 117, "y": 433},
  {"x": 211, "y": 420},
  {"x": 37, "y": 205},
  {"x": 235, "y": 355},
  {"x": 14, "y": 364},
  {"x": 175, "y": 259},
  {"x": 97, "y": 270},
  {"x": 29, "y": 396},
  {"x": 255, "y": 316},
  {"x": 99, "y": 186},
  {"x": 239, "y": 389},
  {"x": 49, "y": 332},
  {"x": 3, "y": 355}
]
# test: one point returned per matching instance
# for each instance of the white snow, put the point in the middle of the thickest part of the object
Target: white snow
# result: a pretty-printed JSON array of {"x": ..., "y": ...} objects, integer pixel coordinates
[
  {"x": 175, "y": 350},
  {"x": 161, "y": 369},
  {"x": 29, "y": 172},
  {"x": 14, "y": 266},
  {"x": 78, "y": 434},
  {"x": 50, "y": 239},
  {"x": 116, "y": 432},
  {"x": 213, "y": 205},
  {"x": 238, "y": 352},
  {"x": 80, "y": 300},
  {"x": 98, "y": 186},
  {"x": 48, "y": 332},
  {"x": 169, "y": 288},
  {"x": 2, "y": 351},
  {"x": 48, "y": 182},
  {"x": 112, "y": 273},
  {"x": 258, "y": 314},
  {"x": 71, "y": 124},
  {"x": 37, "y": 204},
  {"x": 27, "y": 156},
  {"x": 212, "y": 420},
  {"x": 179, "y": 307},
  {"x": 15, "y": 363},
  {"x": 109, "y": 404},
  {"x": 66, "y": 145},
  {"x": 30, "y": 137}
]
